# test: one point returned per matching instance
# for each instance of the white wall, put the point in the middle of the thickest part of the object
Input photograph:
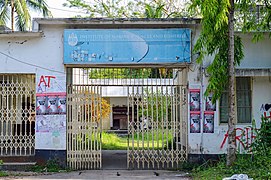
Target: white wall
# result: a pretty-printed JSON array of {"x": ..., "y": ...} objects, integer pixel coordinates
[
  {"x": 261, "y": 96},
  {"x": 43, "y": 52},
  {"x": 257, "y": 55}
]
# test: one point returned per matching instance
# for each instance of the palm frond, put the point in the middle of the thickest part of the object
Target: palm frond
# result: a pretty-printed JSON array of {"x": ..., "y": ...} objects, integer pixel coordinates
[
  {"x": 4, "y": 12},
  {"x": 39, "y": 6},
  {"x": 20, "y": 23},
  {"x": 149, "y": 12},
  {"x": 159, "y": 11},
  {"x": 23, "y": 18}
]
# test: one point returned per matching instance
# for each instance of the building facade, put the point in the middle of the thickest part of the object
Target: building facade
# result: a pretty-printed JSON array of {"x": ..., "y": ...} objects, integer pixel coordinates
[{"x": 51, "y": 105}]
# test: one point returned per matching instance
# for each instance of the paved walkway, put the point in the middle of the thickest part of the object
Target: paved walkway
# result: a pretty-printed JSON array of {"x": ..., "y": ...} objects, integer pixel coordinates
[{"x": 106, "y": 175}]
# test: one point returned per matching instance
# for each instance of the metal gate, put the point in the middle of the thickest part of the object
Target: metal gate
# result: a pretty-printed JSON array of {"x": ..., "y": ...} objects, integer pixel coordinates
[
  {"x": 157, "y": 130},
  {"x": 84, "y": 127},
  {"x": 156, "y": 118},
  {"x": 17, "y": 115}
]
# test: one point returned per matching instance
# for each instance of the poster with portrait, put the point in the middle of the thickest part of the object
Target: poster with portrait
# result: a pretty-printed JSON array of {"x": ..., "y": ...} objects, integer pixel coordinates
[
  {"x": 209, "y": 106},
  {"x": 51, "y": 103},
  {"x": 194, "y": 122},
  {"x": 194, "y": 101},
  {"x": 208, "y": 126}
]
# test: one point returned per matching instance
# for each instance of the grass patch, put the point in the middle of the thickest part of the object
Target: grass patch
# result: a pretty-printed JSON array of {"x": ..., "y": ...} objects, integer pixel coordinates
[
  {"x": 256, "y": 163},
  {"x": 52, "y": 165},
  {"x": 256, "y": 167},
  {"x": 112, "y": 141},
  {"x": 3, "y": 174}
]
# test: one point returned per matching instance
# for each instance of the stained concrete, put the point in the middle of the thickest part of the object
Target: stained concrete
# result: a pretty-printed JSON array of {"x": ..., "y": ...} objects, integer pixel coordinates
[
  {"x": 114, "y": 159},
  {"x": 108, "y": 175}
]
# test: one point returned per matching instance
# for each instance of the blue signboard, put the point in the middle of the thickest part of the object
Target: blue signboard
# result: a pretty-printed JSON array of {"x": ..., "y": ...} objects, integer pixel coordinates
[{"x": 127, "y": 46}]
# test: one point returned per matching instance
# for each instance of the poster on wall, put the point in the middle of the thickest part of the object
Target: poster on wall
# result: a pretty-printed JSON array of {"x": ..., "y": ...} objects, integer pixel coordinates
[
  {"x": 194, "y": 101},
  {"x": 208, "y": 126},
  {"x": 209, "y": 106},
  {"x": 50, "y": 111},
  {"x": 50, "y": 103},
  {"x": 50, "y": 132},
  {"x": 195, "y": 122}
]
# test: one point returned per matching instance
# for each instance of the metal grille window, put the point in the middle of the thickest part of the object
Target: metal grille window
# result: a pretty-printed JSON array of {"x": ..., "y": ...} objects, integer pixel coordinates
[
  {"x": 17, "y": 115},
  {"x": 243, "y": 98}
]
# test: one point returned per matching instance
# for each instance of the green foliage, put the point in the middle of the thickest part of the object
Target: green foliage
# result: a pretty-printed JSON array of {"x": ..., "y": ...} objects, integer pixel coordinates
[
  {"x": 52, "y": 165},
  {"x": 156, "y": 105},
  {"x": 256, "y": 165},
  {"x": 130, "y": 9},
  {"x": 3, "y": 174},
  {"x": 218, "y": 70},
  {"x": 127, "y": 73},
  {"x": 105, "y": 8},
  {"x": 112, "y": 141},
  {"x": 21, "y": 12},
  {"x": 262, "y": 143},
  {"x": 119, "y": 73},
  {"x": 213, "y": 41},
  {"x": 253, "y": 16},
  {"x": 154, "y": 12}
]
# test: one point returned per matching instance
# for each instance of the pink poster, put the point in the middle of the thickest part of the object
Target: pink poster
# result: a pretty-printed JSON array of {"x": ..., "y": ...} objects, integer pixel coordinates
[
  {"x": 208, "y": 126},
  {"x": 194, "y": 100},
  {"x": 209, "y": 106},
  {"x": 51, "y": 103},
  {"x": 194, "y": 122}
]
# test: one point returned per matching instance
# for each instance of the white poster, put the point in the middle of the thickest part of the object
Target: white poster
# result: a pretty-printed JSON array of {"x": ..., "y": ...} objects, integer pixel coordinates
[
  {"x": 51, "y": 132},
  {"x": 50, "y": 111}
]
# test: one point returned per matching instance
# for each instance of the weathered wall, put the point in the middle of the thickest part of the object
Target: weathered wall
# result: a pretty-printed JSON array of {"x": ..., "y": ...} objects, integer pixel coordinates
[
  {"x": 257, "y": 56},
  {"x": 43, "y": 56}
]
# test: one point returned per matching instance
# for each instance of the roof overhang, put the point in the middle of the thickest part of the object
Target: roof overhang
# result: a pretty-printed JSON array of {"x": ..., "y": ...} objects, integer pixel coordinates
[
  {"x": 253, "y": 72},
  {"x": 20, "y": 34},
  {"x": 118, "y": 22}
]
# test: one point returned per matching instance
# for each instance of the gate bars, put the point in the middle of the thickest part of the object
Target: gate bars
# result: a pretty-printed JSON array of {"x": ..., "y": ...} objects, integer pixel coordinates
[
  {"x": 84, "y": 127},
  {"x": 17, "y": 114},
  {"x": 157, "y": 116},
  {"x": 157, "y": 126}
]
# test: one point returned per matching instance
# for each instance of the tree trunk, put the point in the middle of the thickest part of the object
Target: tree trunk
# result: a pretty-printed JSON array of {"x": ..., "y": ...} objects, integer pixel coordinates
[
  {"x": 231, "y": 149},
  {"x": 12, "y": 15}
]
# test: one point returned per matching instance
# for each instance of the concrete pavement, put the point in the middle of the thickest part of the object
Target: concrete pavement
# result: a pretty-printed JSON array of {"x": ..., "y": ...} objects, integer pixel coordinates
[{"x": 106, "y": 175}]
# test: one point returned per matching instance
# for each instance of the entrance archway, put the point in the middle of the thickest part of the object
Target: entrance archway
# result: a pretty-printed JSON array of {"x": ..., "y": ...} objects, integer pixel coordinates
[{"x": 145, "y": 107}]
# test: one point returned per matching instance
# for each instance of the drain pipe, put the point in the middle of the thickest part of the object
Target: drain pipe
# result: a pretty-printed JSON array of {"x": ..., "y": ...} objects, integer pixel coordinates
[{"x": 201, "y": 109}]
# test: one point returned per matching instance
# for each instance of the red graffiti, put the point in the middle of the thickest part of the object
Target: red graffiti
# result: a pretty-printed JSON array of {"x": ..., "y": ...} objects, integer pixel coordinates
[
  {"x": 46, "y": 80},
  {"x": 265, "y": 115},
  {"x": 245, "y": 137}
]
